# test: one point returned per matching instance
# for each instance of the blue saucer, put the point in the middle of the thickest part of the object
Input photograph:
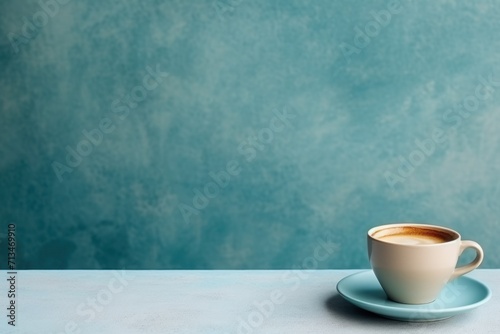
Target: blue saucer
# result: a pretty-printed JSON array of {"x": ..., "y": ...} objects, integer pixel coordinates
[{"x": 459, "y": 296}]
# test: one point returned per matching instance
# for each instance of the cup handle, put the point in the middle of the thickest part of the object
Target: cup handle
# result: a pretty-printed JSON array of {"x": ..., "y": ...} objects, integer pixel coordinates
[{"x": 474, "y": 264}]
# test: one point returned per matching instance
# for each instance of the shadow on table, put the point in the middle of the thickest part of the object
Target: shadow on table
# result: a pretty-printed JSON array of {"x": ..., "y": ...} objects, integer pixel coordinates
[{"x": 339, "y": 307}]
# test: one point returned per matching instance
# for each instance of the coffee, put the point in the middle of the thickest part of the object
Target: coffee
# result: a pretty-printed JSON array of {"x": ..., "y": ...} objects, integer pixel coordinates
[
  {"x": 413, "y": 236},
  {"x": 413, "y": 262}
]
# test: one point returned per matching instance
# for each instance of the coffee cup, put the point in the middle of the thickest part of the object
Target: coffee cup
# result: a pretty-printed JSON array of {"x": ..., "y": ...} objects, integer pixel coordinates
[{"x": 413, "y": 262}]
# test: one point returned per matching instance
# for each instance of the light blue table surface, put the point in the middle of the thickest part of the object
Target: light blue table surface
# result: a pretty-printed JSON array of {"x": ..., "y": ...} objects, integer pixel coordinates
[
  {"x": 150, "y": 190},
  {"x": 253, "y": 301}
]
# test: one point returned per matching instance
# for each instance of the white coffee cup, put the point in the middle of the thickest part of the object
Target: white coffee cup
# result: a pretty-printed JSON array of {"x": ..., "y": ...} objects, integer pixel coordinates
[{"x": 413, "y": 262}]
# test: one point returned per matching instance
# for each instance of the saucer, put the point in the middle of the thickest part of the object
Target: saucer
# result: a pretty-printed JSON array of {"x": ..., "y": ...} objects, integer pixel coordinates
[{"x": 460, "y": 295}]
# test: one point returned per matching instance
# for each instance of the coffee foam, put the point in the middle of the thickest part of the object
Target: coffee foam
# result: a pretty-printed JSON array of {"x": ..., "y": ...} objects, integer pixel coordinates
[
  {"x": 410, "y": 235},
  {"x": 412, "y": 240}
]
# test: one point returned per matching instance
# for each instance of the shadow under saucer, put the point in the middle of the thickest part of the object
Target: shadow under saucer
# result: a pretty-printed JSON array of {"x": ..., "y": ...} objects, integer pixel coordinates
[{"x": 340, "y": 307}]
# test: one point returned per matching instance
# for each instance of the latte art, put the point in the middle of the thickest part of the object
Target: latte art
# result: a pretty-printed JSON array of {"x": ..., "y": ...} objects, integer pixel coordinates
[
  {"x": 408, "y": 235},
  {"x": 413, "y": 239}
]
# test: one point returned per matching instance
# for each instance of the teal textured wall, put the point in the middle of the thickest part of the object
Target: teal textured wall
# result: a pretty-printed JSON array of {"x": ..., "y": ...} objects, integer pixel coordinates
[{"x": 244, "y": 133}]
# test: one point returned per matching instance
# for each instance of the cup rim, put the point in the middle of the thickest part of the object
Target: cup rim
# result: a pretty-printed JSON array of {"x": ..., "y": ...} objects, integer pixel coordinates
[{"x": 374, "y": 229}]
